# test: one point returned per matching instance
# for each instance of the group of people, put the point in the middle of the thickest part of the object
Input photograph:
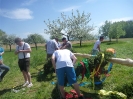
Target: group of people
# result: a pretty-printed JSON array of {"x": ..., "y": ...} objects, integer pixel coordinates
[
  {"x": 63, "y": 61},
  {"x": 62, "y": 58}
]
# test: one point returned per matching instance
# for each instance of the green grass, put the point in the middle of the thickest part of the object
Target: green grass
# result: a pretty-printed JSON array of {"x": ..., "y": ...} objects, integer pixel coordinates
[{"x": 119, "y": 80}]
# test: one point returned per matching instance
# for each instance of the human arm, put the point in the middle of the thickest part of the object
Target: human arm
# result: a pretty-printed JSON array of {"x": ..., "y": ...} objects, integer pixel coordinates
[
  {"x": 74, "y": 58},
  {"x": 26, "y": 49},
  {"x": 53, "y": 61},
  {"x": 98, "y": 47},
  {"x": 45, "y": 46},
  {"x": 1, "y": 53}
]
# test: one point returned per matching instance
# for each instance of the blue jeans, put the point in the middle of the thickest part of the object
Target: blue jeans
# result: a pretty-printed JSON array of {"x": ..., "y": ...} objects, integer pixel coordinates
[
  {"x": 5, "y": 69},
  {"x": 94, "y": 52}
]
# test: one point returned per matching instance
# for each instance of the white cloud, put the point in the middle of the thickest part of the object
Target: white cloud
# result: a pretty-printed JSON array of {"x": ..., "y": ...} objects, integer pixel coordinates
[
  {"x": 25, "y": 35},
  {"x": 20, "y": 14},
  {"x": 117, "y": 20},
  {"x": 122, "y": 19},
  {"x": 29, "y": 2},
  {"x": 69, "y": 9}
]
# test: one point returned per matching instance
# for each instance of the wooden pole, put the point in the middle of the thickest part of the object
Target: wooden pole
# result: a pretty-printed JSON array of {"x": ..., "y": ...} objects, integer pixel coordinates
[{"x": 127, "y": 62}]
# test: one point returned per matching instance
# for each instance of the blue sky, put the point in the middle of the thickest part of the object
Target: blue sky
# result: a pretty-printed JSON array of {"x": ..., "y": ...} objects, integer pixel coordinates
[{"x": 24, "y": 17}]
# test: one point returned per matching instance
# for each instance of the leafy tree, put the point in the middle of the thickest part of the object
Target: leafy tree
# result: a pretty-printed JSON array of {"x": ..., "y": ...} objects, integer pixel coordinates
[
  {"x": 53, "y": 29},
  {"x": 128, "y": 27},
  {"x": 116, "y": 31},
  {"x": 9, "y": 40},
  {"x": 104, "y": 29},
  {"x": 80, "y": 26},
  {"x": 35, "y": 38},
  {"x": 76, "y": 26},
  {"x": 2, "y": 35}
]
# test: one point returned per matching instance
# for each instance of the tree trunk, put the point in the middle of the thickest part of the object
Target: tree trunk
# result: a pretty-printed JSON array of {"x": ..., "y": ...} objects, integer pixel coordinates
[
  {"x": 10, "y": 47},
  {"x": 36, "y": 45},
  {"x": 68, "y": 38},
  {"x": 80, "y": 41},
  {"x": 110, "y": 39}
]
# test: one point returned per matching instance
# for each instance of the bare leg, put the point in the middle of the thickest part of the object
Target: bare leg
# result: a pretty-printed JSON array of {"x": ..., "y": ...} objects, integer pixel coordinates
[
  {"x": 62, "y": 91},
  {"x": 76, "y": 87},
  {"x": 28, "y": 77},
  {"x": 25, "y": 76}
]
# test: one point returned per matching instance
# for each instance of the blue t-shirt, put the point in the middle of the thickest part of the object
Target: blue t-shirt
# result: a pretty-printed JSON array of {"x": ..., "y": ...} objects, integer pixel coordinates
[
  {"x": 52, "y": 45},
  {"x": 1, "y": 50}
]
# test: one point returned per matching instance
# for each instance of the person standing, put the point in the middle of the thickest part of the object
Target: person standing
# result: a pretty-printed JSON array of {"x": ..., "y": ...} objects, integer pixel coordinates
[
  {"x": 3, "y": 68},
  {"x": 51, "y": 46},
  {"x": 63, "y": 65},
  {"x": 66, "y": 44},
  {"x": 23, "y": 51},
  {"x": 96, "y": 47}
]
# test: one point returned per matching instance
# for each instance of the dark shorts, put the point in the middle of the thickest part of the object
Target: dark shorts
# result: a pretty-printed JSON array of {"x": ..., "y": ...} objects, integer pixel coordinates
[
  {"x": 49, "y": 56},
  {"x": 24, "y": 64}
]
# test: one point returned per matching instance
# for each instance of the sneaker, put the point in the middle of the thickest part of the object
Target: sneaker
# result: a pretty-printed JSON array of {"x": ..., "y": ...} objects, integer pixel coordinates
[
  {"x": 30, "y": 85},
  {"x": 26, "y": 83}
]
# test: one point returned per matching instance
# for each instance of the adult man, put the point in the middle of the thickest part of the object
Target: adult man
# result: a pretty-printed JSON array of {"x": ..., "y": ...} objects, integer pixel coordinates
[
  {"x": 96, "y": 47},
  {"x": 51, "y": 46},
  {"x": 3, "y": 68},
  {"x": 66, "y": 44},
  {"x": 64, "y": 66},
  {"x": 23, "y": 50}
]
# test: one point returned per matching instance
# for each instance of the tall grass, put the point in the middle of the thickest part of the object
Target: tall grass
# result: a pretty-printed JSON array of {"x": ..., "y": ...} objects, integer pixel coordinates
[{"x": 120, "y": 78}]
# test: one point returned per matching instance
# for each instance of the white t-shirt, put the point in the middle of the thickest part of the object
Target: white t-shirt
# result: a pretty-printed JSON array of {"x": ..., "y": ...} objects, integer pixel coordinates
[
  {"x": 63, "y": 58},
  {"x": 23, "y": 47},
  {"x": 98, "y": 42}
]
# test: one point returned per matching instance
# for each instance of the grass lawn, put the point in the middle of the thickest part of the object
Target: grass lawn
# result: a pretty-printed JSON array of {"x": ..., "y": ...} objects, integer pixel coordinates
[{"x": 120, "y": 78}]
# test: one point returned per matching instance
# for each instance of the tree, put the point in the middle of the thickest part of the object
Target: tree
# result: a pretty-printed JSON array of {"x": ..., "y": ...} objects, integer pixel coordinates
[
  {"x": 80, "y": 25},
  {"x": 104, "y": 29},
  {"x": 128, "y": 27},
  {"x": 116, "y": 31},
  {"x": 2, "y": 35},
  {"x": 73, "y": 26},
  {"x": 9, "y": 40},
  {"x": 35, "y": 38}
]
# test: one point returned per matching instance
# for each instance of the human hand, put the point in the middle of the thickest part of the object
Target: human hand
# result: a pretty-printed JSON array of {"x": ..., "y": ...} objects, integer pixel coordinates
[{"x": 20, "y": 51}]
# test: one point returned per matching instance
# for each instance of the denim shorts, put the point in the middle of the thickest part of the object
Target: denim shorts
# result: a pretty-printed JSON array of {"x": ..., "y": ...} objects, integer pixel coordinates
[{"x": 69, "y": 72}]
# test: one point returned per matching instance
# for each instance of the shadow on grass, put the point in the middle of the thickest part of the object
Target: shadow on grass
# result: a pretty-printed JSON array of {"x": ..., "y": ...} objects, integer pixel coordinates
[
  {"x": 4, "y": 91},
  {"x": 82, "y": 46},
  {"x": 109, "y": 43},
  {"x": 90, "y": 95},
  {"x": 84, "y": 90},
  {"x": 45, "y": 73},
  {"x": 17, "y": 88},
  {"x": 55, "y": 93}
]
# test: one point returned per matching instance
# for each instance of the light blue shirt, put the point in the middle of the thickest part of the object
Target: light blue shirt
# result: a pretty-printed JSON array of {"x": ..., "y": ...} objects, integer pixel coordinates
[
  {"x": 52, "y": 45},
  {"x": 1, "y": 50}
]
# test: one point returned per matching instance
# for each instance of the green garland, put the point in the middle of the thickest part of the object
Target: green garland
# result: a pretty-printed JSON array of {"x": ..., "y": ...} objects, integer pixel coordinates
[{"x": 93, "y": 63}]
